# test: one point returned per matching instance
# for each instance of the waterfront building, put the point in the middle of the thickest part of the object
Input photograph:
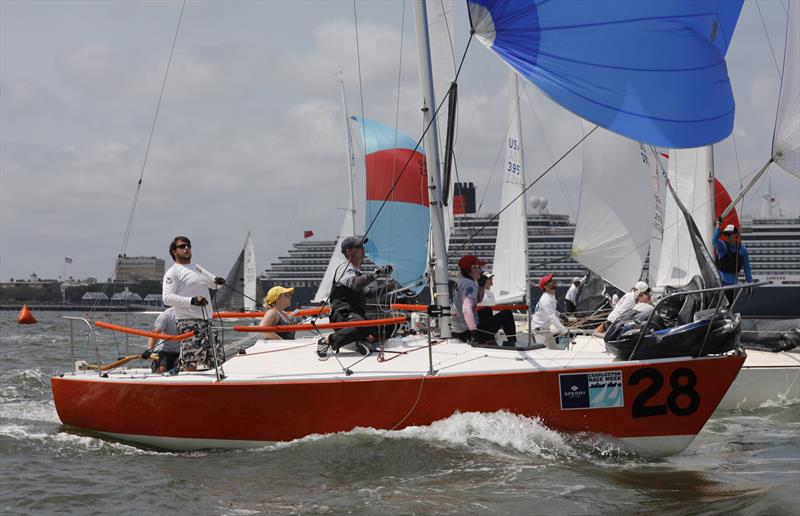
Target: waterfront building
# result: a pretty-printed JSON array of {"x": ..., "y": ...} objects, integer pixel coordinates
[{"x": 131, "y": 269}]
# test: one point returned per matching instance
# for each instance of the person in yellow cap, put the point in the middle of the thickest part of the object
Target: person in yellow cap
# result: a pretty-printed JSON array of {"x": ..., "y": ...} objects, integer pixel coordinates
[{"x": 277, "y": 301}]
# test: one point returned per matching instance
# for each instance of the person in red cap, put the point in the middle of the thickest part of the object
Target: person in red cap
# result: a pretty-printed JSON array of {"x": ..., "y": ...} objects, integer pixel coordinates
[
  {"x": 469, "y": 323},
  {"x": 546, "y": 315}
]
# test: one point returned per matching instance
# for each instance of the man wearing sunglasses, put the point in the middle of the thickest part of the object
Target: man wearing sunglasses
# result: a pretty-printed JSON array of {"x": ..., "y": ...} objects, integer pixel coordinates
[{"x": 185, "y": 287}]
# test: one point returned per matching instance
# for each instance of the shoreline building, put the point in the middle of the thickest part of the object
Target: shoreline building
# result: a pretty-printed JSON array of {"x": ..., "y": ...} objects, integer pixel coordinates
[{"x": 132, "y": 269}]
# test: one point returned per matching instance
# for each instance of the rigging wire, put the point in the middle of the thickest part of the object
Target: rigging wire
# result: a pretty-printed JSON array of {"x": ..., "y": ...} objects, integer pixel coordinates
[
  {"x": 766, "y": 33},
  {"x": 129, "y": 225},
  {"x": 522, "y": 193}
]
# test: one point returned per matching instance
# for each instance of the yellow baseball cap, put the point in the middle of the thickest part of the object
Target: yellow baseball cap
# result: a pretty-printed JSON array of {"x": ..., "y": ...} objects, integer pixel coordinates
[{"x": 276, "y": 291}]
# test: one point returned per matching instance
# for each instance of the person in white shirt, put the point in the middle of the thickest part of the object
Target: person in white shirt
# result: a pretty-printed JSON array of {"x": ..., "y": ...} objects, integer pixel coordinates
[
  {"x": 571, "y": 299},
  {"x": 185, "y": 287},
  {"x": 625, "y": 303},
  {"x": 644, "y": 303},
  {"x": 168, "y": 351},
  {"x": 546, "y": 315},
  {"x": 484, "y": 290}
]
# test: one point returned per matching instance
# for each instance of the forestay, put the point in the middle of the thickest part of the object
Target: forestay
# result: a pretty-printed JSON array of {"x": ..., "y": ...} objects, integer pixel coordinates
[
  {"x": 399, "y": 232},
  {"x": 786, "y": 140},
  {"x": 510, "y": 264},
  {"x": 615, "y": 211},
  {"x": 651, "y": 70}
]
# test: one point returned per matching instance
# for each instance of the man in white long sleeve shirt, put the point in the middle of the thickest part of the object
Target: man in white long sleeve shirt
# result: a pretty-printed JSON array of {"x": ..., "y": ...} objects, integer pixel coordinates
[
  {"x": 626, "y": 302},
  {"x": 185, "y": 287},
  {"x": 546, "y": 315}
]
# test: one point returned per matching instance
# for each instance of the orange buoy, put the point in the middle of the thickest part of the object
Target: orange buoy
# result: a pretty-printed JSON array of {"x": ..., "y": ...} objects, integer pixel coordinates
[{"x": 25, "y": 316}]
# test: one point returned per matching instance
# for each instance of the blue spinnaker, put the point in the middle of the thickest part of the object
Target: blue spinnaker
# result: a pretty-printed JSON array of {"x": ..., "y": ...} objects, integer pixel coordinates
[{"x": 652, "y": 70}]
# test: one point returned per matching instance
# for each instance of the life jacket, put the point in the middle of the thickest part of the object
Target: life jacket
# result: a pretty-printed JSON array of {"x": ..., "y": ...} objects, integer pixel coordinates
[
  {"x": 732, "y": 262},
  {"x": 345, "y": 298}
]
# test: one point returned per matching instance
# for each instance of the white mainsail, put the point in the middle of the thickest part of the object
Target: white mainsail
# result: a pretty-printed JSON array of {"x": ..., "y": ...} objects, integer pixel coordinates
[
  {"x": 786, "y": 140},
  {"x": 349, "y": 223},
  {"x": 689, "y": 171},
  {"x": 250, "y": 273},
  {"x": 510, "y": 263},
  {"x": 613, "y": 227}
]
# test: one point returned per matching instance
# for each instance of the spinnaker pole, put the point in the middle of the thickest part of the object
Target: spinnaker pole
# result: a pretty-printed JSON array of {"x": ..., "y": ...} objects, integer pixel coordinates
[{"x": 438, "y": 249}]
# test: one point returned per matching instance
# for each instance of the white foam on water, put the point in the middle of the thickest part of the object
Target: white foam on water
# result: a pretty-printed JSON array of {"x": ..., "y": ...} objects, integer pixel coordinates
[{"x": 43, "y": 411}]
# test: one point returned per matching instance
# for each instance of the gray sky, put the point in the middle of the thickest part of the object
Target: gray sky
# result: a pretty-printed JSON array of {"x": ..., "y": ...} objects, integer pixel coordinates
[{"x": 250, "y": 133}]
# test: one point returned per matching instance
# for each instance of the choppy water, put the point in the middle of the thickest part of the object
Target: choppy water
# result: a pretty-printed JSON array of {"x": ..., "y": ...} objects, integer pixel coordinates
[{"x": 745, "y": 462}]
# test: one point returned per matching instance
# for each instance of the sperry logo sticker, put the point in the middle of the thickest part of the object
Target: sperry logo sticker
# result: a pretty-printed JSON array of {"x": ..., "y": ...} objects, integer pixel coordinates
[{"x": 602, "y": 389}]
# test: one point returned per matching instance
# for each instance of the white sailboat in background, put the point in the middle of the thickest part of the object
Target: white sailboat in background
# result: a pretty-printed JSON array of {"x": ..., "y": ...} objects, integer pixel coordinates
[
  {"x": 242, "y": 290},
  {"x": 349, "y": 223}
]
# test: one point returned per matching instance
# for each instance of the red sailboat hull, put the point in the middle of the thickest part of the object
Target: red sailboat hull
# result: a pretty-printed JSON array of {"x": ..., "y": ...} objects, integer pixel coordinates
[{"x": 658, "y": 399}]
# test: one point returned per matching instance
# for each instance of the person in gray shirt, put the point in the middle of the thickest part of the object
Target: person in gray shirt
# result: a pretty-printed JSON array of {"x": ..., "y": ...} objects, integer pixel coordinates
[{"x": 168, "y": 351}]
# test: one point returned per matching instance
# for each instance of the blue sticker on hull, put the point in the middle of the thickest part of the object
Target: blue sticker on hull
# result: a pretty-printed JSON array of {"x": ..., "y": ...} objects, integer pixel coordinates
[{"x": 602, "y": 389}]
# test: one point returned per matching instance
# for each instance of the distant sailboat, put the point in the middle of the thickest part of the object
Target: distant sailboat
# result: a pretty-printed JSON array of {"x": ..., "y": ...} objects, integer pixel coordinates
[{"x": 242, "y": 289}]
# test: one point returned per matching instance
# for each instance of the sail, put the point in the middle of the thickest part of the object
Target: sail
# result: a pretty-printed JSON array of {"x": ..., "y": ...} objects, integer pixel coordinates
[
  {"x": 398, "y": 229},
  {"x": 241, "y": 282},
  {"x": 722, "y": 200},
  {"x": 786, "y": 139},
  {"x": 510, "y": 263},
  {"x": 688, "y": 172},
  {"x": 348, "y": 224},
  {"x": 615, "y": 210},
  {"x": 651, "y": 70},
  {"x": 250, "y": 273},
  {"x": 658, "y": 189}
]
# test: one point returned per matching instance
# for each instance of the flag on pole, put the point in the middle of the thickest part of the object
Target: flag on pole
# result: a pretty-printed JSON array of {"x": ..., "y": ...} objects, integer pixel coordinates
[
  {"x": 308, "y": 233},
  {"x": 67, "y": 260}
]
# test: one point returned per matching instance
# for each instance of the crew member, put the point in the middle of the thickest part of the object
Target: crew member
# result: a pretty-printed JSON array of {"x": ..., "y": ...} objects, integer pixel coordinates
[
  {"x": 278, "y": 300},
  {"x": 732, "y": 257},
  {"x": 348, "y": 300},
  {"x": 186, "y": 288},
  {"x": 625, "y": 303},
  {"x": 168, "y": 351},
  {"x": 571, "y": 299},
  {"x": 485, "y": 283},
  {"x": 546, "y": 315},
  {"x": 469, "y": 323}
]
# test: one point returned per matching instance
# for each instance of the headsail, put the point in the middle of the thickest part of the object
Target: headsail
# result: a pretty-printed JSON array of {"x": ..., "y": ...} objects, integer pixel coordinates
[
  {"x": 688, "y": 172},
  {"x": 510, "y": 264},
  {"x": 651, "y": 70},
  {"x": 399, "y": 232},
  {"x": 614, "y": 223},
  {"x": 786, "y": 140}
]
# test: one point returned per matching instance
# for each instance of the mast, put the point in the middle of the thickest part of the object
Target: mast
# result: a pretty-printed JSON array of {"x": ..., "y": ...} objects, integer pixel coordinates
[
  {"x": 438, "y": 259},
  {"x": 351, "y": 207}
]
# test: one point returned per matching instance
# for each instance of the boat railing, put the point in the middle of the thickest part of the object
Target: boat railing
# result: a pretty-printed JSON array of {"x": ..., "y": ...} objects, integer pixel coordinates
[
  {"x": 720, "y": 297},
  {"x": 91, "y": 337}
]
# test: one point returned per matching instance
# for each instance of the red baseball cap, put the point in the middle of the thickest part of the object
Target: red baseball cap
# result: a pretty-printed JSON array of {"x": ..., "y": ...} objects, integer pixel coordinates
[
  {"x": 544, "y": 280},
  {"x": 468, "y": 261}
]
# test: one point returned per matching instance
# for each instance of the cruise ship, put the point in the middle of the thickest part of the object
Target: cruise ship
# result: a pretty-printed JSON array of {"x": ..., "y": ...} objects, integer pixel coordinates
[{"x": 773, "y": 245}]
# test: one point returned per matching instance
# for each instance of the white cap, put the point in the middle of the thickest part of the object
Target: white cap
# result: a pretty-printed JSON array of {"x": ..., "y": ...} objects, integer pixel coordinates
[
  {"x": 640, "y": 287},
  {"x": 730, "y": 228},
  {"x": 576, "y": 279}
]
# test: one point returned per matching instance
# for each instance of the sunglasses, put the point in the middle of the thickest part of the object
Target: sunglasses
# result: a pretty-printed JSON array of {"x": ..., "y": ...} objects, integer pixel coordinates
[{"x": 183, "y": 246}]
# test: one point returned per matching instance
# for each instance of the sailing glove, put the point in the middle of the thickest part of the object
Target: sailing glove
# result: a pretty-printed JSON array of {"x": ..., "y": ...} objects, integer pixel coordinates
[
  {"x": 386, "y": 270},
  {"x": 199, "y": 301},
  {"x": 147, "y": 353},
  {"x": 219, "y": 281}
]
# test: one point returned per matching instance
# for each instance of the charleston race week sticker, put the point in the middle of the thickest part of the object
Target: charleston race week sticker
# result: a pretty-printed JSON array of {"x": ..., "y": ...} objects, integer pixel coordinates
[{"x": 591, "y": 390}]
